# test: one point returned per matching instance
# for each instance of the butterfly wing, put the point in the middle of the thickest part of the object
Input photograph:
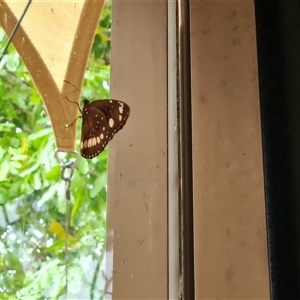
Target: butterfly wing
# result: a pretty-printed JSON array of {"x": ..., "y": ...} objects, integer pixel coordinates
[{"x": 101, "y": 120}]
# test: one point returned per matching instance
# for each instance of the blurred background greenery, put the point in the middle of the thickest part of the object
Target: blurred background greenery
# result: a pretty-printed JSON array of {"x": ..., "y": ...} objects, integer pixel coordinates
[{"x": 32, "y": 195}]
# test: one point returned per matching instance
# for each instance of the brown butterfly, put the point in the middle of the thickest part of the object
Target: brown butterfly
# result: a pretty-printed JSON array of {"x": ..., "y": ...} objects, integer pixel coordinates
[{"x": 101, "y": 120}]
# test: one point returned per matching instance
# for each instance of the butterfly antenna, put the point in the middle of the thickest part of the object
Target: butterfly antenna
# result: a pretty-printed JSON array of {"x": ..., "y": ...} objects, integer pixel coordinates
[
  {"x": 74, "y": 103},
  {"x": 67, "y": 126},
  {"x": 78, "y": 108},
  {"x": 75, "y": 88}
]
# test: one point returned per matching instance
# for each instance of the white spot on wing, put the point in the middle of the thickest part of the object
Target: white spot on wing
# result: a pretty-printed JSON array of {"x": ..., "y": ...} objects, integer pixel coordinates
[{"x": 111, "y": 122}]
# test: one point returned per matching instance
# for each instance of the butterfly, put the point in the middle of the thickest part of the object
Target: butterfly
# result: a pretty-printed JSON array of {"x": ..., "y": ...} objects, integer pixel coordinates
[{"x": 101, "y": 120}]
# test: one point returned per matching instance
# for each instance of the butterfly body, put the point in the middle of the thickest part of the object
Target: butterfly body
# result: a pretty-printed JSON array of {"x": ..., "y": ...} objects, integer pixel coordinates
[{"x": 101, "y": 120}]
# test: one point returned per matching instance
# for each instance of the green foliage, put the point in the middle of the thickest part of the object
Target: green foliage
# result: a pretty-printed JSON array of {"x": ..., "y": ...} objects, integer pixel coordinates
[
  {"x": 101, "y": 46},
  {"x": 32, "y": 195}
]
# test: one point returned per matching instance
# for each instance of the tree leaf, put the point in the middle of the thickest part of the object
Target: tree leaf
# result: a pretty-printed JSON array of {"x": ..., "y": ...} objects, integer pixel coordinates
[
  {"x": 19, "y": 157},
  {"x": 83, "y": 166},
  {"x": 53, "y": 174},
  {"x": 39, "y": 134},
  {"x": 98, "y": 184},
  {"x": 4, "y": 169}
]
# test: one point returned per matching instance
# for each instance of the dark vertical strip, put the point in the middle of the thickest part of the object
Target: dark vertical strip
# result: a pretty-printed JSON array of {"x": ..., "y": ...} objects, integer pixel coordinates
[
  {"x": 185, "y": 151},
  {"x": 278, "y": 44}
]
